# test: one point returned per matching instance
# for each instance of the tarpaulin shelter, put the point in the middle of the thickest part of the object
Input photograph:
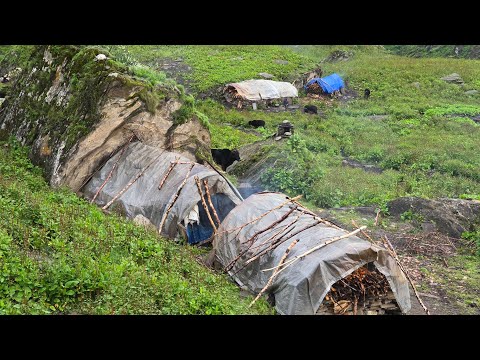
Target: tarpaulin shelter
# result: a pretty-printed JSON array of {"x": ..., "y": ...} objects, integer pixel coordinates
[
  {"x": 265, "y": 219},
  {"x": 329, "y": 83},
  {"x": 177, "y": 205},
  {"x": 256, "y": 90}
]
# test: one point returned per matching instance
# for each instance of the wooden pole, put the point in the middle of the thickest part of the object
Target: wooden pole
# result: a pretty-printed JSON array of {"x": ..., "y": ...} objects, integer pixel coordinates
[
  {"x": 251, "y": 240},
  {"x": 363, "y": 232},
  {"x": 170, "y": 168},
  {"x": 170, "y": 205},
  {"x": 113, "y": 169},
  {"x": 269, "y": 282},
  {"x": 392, "y": 251},
  {"x": 207, "y": 191},
  {"x": 284, "y": 228},
  {"x": 261, "y": 216},
  {"x": 197, "y": 181},
  {"x": 131, "y": 182},
  {"x": 315, "y": 248},
  {"x": 273, "y": 246},
  {"x": 316, "y": 217}
]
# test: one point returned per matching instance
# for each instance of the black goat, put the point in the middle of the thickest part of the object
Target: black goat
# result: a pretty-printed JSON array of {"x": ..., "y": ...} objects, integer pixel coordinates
[
  {"x": 257, "y": 123},
  {"x": 225, "y": 157},
  {"x": 366, "y": 94},
  {"x": 310, "y": 109}
]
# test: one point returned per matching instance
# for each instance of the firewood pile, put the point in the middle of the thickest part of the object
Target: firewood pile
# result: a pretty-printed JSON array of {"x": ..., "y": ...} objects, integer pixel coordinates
[
  {"x": 364, "y": 292},
  {"x": 314, "y": 89}
]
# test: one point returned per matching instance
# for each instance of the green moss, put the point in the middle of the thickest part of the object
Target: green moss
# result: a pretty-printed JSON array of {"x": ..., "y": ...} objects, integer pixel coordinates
[{"x": 186, "y": 111}]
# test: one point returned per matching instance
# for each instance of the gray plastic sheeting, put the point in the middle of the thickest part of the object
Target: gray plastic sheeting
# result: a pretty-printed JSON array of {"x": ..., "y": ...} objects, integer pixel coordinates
[
  {"x": 144, "y": 198},
  {"x": 299, "y": 289}
]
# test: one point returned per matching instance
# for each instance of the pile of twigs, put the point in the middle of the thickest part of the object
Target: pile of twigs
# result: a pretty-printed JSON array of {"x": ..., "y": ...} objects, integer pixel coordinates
[
  {"x": 314, "y": 88},
  {"x": 364, "y": 291},
  {"x": 431, "y": 243}
]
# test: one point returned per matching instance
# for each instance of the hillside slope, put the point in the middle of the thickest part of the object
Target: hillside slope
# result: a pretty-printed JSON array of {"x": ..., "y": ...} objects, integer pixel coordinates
[
  {"x": 451, "y": 51},
  {"x": 61, "y": 255}
]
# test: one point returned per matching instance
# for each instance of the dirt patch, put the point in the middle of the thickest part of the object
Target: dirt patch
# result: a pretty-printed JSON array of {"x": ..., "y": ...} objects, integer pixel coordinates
[
  {"x": 377, "y": 117},
  {"x": 176, "y": 69}
]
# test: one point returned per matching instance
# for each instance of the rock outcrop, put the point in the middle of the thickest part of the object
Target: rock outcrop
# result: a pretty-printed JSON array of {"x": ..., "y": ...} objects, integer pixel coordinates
[
  {"x": 449, "y": 216},
  {"x": 453, "y": 78},
  {"x": 75, "y": 107}
]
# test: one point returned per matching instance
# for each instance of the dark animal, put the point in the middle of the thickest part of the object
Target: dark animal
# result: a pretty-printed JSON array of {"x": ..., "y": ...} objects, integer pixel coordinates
[
  {"x": 310, "y": 109},
  {"x": 256, "y": 123},
  {"x": 367, "y": 94},
  {"x": 225, "y": 157}
]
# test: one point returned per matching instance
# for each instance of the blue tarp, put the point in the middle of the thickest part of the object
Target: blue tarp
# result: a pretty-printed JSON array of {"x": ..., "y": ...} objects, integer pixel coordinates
[{"x": 328, "y": 84}]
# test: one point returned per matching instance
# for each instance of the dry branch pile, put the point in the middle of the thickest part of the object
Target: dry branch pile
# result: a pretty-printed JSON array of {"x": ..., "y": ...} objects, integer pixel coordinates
[
  {"x": 314, "y": 88},
  {"x": 363, "y": 292},
  {"x": 429, "y": 244}
]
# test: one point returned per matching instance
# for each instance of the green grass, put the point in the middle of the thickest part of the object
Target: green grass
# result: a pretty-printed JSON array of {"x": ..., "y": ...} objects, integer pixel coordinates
[
  {"x": 214, "y": 66},
  {"x": 423, "y": 145},
  {"x": 59, "y": 254},
  {"x": 460, "y": 280}
]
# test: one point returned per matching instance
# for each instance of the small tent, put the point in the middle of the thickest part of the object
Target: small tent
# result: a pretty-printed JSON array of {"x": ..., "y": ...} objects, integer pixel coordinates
[
  {"x": 164, "y": 187},
  {"x": 256, "y": 90},
  {"x": 328, "y": 84},
  {"x": 264, "y": 225}
]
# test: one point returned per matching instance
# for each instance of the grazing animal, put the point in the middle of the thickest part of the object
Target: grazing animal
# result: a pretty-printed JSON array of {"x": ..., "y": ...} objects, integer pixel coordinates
[
  {"x": 310, "y": 109},
  {"x": 256, "y": 123},
  {"x": 225, "y": 157},
  {"x": 367, "y": 94}
]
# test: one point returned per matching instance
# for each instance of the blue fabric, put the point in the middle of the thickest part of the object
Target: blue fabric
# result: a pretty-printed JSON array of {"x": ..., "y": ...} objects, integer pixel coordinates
[
  {"x": 197, "y": 233},
  {"x": 328, "y": 84}
]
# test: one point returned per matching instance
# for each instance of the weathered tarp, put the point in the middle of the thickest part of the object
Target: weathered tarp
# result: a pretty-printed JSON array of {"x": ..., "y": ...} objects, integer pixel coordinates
[
  {"x": 255, "y": 90},
  {"x": 329, "y": 84},
  {"x": 299, "y": 289},
  {"x": 144, "y": 197}
]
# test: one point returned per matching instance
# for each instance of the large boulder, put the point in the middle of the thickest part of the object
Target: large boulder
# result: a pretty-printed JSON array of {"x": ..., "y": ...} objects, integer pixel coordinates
[
  {"x": 449, "y": 216},
  {"x": 75, "y": 107},
  {"x": 453, "y": 78}
]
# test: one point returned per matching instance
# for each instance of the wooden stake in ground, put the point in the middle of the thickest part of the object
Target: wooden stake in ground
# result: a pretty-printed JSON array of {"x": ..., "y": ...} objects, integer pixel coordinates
[
  {"x": 170, "y": 205},
  {"x": 170, "y": 168},
  {"x": 363, "y": 232},
  {"x": 277, "y": 270},
  {"x": 392, "y": 251},
  {"x": 207, "y": 191},
  {"x": 377, "y": 217},
  {"x": 197, "y": 181},
  {"x": 113, "y": 169},
  {"x": 131, "y": 182}
]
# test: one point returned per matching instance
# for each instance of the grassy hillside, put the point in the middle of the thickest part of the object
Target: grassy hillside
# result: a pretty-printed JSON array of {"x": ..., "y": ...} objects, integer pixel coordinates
[
  {"x": 414, "y": 125},
  {"x": 61, "y": 255},
  {"x": 214, "y": 66}
]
